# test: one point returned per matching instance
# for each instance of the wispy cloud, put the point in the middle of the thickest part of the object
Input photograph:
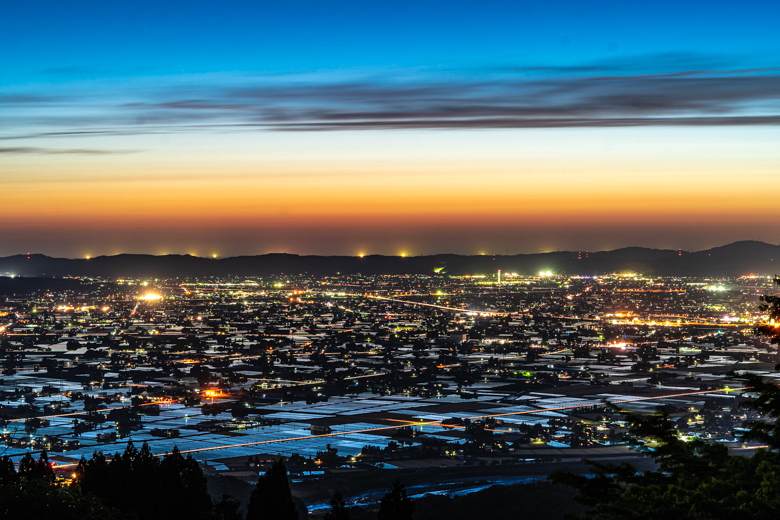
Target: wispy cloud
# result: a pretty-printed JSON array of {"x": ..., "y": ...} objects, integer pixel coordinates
[
  {"x": 58, "y": 151},
  {"x": 669, "y": 89},
  {"x": 21, "y": 99},
  {"x": 95, "y": 70}
]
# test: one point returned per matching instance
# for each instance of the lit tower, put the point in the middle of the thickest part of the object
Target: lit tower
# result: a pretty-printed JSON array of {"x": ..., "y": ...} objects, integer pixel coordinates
[{"x": 499, "y": 277}]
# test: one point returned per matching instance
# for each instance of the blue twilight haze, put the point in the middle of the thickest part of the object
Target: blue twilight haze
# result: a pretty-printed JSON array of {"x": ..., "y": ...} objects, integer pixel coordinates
[{"x": 107, "y": 90}]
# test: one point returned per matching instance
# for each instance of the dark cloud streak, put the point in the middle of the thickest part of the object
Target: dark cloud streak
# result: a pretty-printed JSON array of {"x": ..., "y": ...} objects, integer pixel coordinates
[
  {"x": 607, "y": 94},
  {"x": 510, "y": 123}
]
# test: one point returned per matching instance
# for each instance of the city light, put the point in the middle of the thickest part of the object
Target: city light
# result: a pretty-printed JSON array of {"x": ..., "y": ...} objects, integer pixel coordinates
[
  {"x": 244, "y": 353},
  {"x": 627, "y": 146}
]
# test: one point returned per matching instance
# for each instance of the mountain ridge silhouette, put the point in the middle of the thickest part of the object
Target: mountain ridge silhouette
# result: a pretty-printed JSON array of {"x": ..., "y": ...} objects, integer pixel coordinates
[{"x": 731, "y": 260}]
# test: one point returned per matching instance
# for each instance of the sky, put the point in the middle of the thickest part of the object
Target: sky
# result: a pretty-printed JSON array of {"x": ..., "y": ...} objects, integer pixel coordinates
[{"x": 240, "y": 128}]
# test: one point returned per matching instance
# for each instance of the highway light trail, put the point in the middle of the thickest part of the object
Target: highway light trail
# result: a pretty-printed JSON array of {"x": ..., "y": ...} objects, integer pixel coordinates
[
  {"x": 442, "y": 307},
  {"x": 85, "y": 412},
  {"x": 439, "y": 422},
  {"x": 431, "y": 423}
]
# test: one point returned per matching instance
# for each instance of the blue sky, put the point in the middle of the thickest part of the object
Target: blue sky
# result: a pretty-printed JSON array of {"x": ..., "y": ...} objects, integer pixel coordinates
[
  {"x": 620, "y": 59},
  {"x": 62, "y": 41},
  {"x": 662, "y": 105}
]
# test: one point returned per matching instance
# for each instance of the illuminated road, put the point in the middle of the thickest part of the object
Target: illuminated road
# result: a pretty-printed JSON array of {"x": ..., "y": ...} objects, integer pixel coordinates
[
  {"x": 424, "y": 423},
  {"x": 101, "y": 410},
  {"x": 442, "y": 307},
  {"x": 628, "y": 322},
  {"x": 439, "y": 423}
]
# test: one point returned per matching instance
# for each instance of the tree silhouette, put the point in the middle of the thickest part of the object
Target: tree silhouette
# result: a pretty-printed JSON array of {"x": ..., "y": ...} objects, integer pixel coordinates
[
  {"x": 395, "y": 505},
  {"x": 768, "y": 404},
  {"x": 172, "y": 486},
  {"x": 338, "y": 508},
  {"x": 29, "y": 469},
  {"x": 694, "y": 480},
  {"x": 771, "y": 306},
  {"x": 32, "y": 469},
  {"x": 35, "y": 499},
  {"x": 227, "y": 508},
  {"x": 272, "y": 498}
]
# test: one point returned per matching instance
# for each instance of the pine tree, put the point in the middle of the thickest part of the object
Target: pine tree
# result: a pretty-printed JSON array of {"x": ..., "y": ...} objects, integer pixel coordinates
[
  {"x": 272, "y": 498},
  {"x": 227, "y": 508},
  {"x": 172, "y": 486},
  {"x": 338, "y": 508},
  {"x": 40, "y": 469},
  {"x": 395, "y": 505},
  {"x": 7, "y": 470}
]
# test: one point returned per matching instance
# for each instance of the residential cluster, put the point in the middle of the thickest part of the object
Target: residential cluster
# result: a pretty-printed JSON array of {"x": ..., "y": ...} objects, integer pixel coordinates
[{"x": 363, "y": 374}]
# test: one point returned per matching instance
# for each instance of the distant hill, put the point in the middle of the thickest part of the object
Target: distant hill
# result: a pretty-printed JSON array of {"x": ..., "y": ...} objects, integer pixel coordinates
[
  {"x": 737, "y": 259},
  {"x": 32, "y": 285}
]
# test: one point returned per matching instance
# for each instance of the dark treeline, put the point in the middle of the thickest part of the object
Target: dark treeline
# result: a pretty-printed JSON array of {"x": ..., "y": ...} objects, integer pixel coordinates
[
  {"x": 31, "y": 492},
  {"x": 137, "y": 485},
  {"x": 152, "y": 487},
  {"x": 132, "y": 485}
]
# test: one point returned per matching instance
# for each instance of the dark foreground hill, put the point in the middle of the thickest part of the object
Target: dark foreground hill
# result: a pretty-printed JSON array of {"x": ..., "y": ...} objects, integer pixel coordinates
[
  {"x": 737, "y": 259},
  {"x": 531, "y": 501},
  {"x": 539, "y": 501}
]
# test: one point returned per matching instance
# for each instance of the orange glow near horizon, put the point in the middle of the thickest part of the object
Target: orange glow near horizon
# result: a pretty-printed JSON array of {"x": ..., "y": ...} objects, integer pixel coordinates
[{"x": 444, "y": 194}]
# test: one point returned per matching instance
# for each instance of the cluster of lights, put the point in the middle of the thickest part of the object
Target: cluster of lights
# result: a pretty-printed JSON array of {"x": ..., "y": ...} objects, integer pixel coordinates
[
  {"x": 150, "y": 297},
  {"x": 66, "y": 308}
]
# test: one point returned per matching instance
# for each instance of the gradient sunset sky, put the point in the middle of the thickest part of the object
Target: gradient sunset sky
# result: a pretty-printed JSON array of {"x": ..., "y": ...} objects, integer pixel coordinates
[{"x": 348, "y": 127}]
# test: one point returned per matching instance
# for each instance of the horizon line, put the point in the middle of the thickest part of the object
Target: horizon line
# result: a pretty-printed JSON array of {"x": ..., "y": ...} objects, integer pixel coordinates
[{"x": 369, "y": 255}]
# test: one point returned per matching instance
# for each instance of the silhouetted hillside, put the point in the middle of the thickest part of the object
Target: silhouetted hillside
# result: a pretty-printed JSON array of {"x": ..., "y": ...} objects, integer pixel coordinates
[
  {"x": 12, "y": 286},
  {"x": 538, "y": 501},
  {"x": 533, "y": 501},
  {"x": 737, "y": 259}
]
